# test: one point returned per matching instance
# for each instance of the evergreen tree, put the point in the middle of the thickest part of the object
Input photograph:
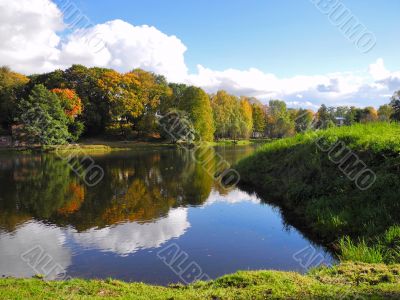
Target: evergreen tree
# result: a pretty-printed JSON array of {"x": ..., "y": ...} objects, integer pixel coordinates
[{"x": 43, "y": 119}]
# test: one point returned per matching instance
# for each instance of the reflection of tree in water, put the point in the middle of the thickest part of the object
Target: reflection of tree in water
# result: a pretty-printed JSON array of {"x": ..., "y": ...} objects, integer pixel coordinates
[
  {"x": 76, "y": 194},
  {"x": 138, "y": 186},
  {"x": 35, "y": 186},
  {"x": 142, "y": 187}
]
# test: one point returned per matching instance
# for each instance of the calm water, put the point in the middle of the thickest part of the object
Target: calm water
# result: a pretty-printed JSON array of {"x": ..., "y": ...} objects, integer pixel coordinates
[{"x": 149, "y": 200}]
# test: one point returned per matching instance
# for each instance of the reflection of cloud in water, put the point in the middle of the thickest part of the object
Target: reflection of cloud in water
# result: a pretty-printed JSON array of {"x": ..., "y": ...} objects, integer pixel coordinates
[
  {"x": 27, "y": 237},
  {"x": 234, "y": 196},
  {"x": 130, "y": 237}
]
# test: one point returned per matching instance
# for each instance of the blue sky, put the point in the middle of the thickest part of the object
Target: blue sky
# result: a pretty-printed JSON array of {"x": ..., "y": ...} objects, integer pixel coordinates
[
  {"x": 284, "y": 49},
  {"x": 285, "y": 37}
]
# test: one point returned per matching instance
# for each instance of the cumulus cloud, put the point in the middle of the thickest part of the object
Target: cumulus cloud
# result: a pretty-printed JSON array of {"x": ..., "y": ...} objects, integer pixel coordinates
[
  {"x": 33, "y": 38},
  {"x": 361, "y": 88},
  {"x": 122, "y": 46},
  {"x": 378, "y": 70},
  {"x": 30, "y": 42},
  {"x": 28, "y": 35}
]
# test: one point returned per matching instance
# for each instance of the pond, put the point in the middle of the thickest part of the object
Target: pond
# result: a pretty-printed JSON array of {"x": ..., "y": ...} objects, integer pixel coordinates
[{"x": 157, "y": 216}]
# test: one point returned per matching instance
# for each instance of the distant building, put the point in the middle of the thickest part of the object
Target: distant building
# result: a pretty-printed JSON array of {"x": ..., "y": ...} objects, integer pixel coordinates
[{"x": 340, "y": 121}]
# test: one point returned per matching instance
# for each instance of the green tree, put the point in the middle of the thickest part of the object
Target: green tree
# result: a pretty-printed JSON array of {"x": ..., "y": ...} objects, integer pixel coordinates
[
  {"x": 197, "y": 104},
  {"x": 279, "y": 123},
  {"x": 385, "y": 112},
  {"x": 42, "y": 118},
  {"x": 325, "y": 118},
  {"x": 175, "y": 98},
  {"x": 353, "y": 116},
  {"x": 85, "y": 82},
  {"x": 395, "y": 103},
  {"x": 303, "y": 120},
  {"x": 175, "y": 126}
]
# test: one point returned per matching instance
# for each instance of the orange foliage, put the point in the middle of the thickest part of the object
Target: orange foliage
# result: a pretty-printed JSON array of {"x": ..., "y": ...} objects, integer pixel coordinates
[
  {"x": 77, "y": 193},
  {"x": 71, "y": 102},
  {"x": 139, "y": 204}
]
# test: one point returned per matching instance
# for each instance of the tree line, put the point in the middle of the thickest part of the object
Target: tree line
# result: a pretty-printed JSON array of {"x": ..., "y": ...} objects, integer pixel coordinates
[{"x": 64, "y": 105}]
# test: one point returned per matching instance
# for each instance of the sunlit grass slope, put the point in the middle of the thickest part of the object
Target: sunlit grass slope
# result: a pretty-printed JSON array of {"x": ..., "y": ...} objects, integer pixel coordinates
[{"x": 309, "y": 177}]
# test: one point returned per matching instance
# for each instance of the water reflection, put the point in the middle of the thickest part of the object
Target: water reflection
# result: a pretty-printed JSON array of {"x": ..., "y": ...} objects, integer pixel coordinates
[
  {"x": 147, "y": 199},
  {"x": 137, "y": 187},
  {"x": 127, "y": 238},
  {"x": 27, "y": 237}
]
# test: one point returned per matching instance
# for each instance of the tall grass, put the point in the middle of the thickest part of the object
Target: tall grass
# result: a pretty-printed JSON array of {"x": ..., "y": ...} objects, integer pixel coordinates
[
  {"x": 385, "y": 249},
  {"x": 360, "y": 252}
]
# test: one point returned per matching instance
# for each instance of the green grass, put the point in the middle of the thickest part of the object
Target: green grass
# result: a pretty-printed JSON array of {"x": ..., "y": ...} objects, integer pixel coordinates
[
  {"x": 297, "y": 175},
  {"x": 352, "y": 281},
  {"x": 360, "y": 251}
]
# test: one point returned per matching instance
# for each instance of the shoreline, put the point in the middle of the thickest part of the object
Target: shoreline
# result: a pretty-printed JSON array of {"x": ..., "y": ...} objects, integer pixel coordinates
[
  {"x": 347, "y": 280},
  {"x": 301, "y": 178},
  {"x": 107, "y": 146}
]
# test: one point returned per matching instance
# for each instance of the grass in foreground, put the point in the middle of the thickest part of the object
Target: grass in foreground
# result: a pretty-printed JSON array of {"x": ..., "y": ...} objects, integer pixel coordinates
[
  {"x": 308, "y": 183},
  {"x": 350, "y": 281}
]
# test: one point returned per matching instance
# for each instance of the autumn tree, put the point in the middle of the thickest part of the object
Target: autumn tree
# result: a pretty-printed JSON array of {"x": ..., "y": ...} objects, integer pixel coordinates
[
  {"x": 72, "y": 106},
  {"x": 70, "y": 102},
  {"x": 259, "y": 119},
  {"x": 223, "y": 107},
  {"x": 11, "y": 86},
  {"x": 153, "y": 90},
  {"x": 246, "y": 112},
  {"x": 233, "y": 117},
  {"x": 369, "y": 114},
  {"x": 85, "y": 82}
]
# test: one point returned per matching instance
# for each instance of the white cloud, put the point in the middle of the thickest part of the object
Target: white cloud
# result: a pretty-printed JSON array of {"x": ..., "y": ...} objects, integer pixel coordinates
[
  {"x": 360, "y": 88},
  {"x": 130, "y": 237},
  {"x": 122, "y": 46},
  {"x": 30, "y": 42},
  {"x": 28, "y": 35},
  {"x": 27, "y": 239},
  {"x": 233, "y": 197},
  {"x": 378, "y": 70}
]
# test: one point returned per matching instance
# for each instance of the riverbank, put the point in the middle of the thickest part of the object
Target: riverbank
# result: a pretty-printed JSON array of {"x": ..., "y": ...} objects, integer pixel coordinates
[
  {"x": 100, "y": 146},
  {"x": 346, "y": 281},
  {"x": 319, "y": 178}
]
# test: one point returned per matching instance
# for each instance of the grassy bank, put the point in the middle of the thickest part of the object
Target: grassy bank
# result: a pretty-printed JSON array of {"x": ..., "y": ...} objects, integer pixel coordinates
[
  {"x": 348, "y": 281},
  {"x": 310, "y": 177}
]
